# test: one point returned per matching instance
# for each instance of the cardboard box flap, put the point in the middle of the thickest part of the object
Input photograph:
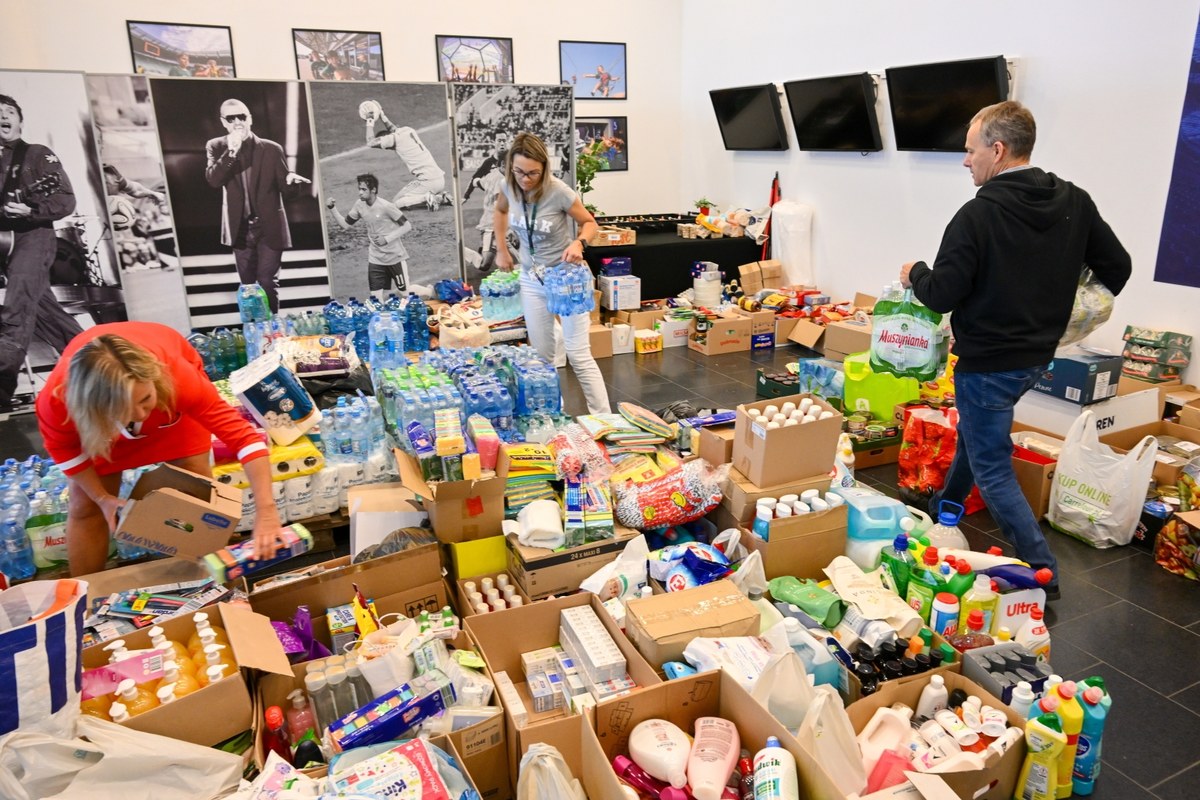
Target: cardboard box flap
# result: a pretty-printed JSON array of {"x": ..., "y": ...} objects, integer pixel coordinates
[
  {"x": 806, "y": 333},
  {"x": 1191, "y": 518},
  {"x": 414, "y": 481},
  {"x": 181, "y": 482},
  {"x": 253, "y": 640},
  {"x": 411, "y": 477},
  {"x": 676, "y": 613}
]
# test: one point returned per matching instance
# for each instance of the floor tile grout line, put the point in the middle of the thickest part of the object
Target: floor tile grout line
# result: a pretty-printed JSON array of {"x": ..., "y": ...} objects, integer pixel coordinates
[
  {"x": 1143, "y": 684},
  {"x": 1168, "y": 778},
  {"x": 1184, "y": 689}
]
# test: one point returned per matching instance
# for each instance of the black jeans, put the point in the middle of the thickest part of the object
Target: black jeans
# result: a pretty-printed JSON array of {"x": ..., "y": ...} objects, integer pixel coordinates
[{"x": 258, "y": 262}]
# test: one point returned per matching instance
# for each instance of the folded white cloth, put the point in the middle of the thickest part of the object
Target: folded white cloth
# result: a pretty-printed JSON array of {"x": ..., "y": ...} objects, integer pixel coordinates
[{"x": 541, "y": 525}]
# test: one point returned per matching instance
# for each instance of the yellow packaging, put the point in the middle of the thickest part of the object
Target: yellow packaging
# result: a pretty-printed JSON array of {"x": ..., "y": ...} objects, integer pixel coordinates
[
  {"x": 647, "y": 341},
  {"x": 301, "y": 457},
  {"x": 1039, "y": 773},
  {"x": 470, "y": 465}
]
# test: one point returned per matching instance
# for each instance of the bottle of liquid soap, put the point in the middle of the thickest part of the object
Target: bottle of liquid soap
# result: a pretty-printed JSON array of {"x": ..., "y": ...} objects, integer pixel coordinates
[
  {"x": 136, "y": 699},
  {"x": 300, "y": 717},
  {"x": 185, "y": 682},
  {"x": 275, "y": 737},
  {"x": 897, "y": 563},
  {"x": 980, "y": 598},
  {"x": 924, "y": 584}
]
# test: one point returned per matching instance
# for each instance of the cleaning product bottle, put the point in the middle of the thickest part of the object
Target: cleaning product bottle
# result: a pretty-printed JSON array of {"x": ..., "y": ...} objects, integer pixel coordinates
[
  {"x": 980, "y": 598},
  {"x": 1071, "y": 713},
  {"x": 768, "y": 614},
  {"x": 924, "y": 584},
  {"x": 974, "y": 636},
  {"x": 136, "y": 699},
  {"x": 945, "y": 534},
  {"x": 1022, "y": 699},
  {"x": 300, "y": 716},
  {"x": 714, "y": 753},
  {"x": 872, "y": 520},
  {"x": 897, "y": 563},
  {"x": 933, "y": 697},
  {"x": 962, "y": 580},
  {"x": 944, "y": 614},
  {"x": 661, "y": 749},
  {"x": 1039, "y": 774},
  {"x": 1096, "y": 704},
  {"x": 888, "y": 729},
  {"x": 775, "y": 773},
  {"x": 275, "y": 738},
  {"x": 818, "y": 661},
  {"x": 1034, "y": 636}
]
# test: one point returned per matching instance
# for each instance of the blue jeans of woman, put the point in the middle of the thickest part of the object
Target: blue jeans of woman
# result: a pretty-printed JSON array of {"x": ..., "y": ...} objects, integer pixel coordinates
[{"x": 985, "y": 402}]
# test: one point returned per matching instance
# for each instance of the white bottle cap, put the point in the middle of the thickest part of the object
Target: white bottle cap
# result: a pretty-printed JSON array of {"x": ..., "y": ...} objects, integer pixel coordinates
[
  {"x": 783, "y": 510},
  {"x": 780, "y": 418},
  {"x": 516, "y": 602},
  {"x": 509, "y": 592},
  {"x": 646, "y": 591},
  {"x": 216, "y": 672},
  {"x": 486, "y": 583},
  {"x": 807, "y": 419},
  {"x": 475, "y": 597},
  {"x": 791, "y": 422},
  {"x": 796, "y": 415},
  {"x": 761, "y": 419},
  {"x": 825, "y": 415},
  {"x": 818, "y": 504},
  {"x": 127, "y": 687},
  {"x": 499, "y": 604},
  {"x": 805, "y": 404},
  {"x": 501, "y": 581},
  {"x": 801, "y": 507},
  {"x": 468, "y": 587},
  {"x": 118, "y": 712},
  {"x": 492, "y": 595},
  {"x": 769, "y": 502},
  {"x": 834, "y": 499},
  {"x": 773, "y": 426},
  {"x": 787, "y": 408},
  {"x": 808, "y": 494},
  {"x": 482, "y": 608},
  {"x": 770, "y": 410},
  {"x": 788, "y": 499},
  {"x": 765, "y": 514}
]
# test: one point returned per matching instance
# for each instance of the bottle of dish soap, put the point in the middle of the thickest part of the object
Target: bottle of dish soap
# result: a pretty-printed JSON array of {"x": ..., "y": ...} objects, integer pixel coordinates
[{"x": 1039, "y": 773}]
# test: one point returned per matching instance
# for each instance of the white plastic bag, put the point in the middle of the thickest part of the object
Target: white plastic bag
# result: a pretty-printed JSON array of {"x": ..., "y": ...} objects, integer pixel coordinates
[
  {"x": 829, "y": 736},
  {"x": 1093, "y": 306},
  {"x": 110, "y": 760},
  {"x": 750, "y": 574},
  {"x": 785, "y": 690},
  {"x": 1097, "y": 494},
  {"x": 544, "y": 775},
  {"x": 623, "y": 577}
]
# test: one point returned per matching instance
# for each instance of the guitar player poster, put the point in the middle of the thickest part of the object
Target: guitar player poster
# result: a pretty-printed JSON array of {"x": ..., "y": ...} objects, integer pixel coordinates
[{"x": 59, "y": 190}]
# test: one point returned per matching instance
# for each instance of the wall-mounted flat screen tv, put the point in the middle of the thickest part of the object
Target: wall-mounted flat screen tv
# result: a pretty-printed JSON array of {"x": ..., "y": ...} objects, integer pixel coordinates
[
  {"x": 835, "y": 113},
  {"x": 932, "y": 104},
  {"x": 750, "y": 117}
]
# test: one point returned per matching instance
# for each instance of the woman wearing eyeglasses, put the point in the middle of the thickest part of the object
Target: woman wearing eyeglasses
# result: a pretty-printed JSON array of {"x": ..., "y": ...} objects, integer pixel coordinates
[{"x": 552, "y": 225}]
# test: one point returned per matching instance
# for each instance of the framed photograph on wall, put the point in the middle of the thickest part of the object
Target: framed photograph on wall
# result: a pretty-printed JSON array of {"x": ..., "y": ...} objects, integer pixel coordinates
[
  {"x": 474, "y": 59},
  {"x": 606, "y": 138},
  {"x": 596, "y": 70},
  {"x": 181, "y": 51},
  {"x": 338, "y": 55}
]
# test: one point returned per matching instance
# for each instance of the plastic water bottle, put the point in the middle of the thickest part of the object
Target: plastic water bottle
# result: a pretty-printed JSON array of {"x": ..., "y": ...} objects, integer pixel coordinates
[
  {"x": 18, "y": 551},
  {"x": 252, "y": 303},
  {"x": 946, "y": 533},
  {"x": 416, "y": 323}
]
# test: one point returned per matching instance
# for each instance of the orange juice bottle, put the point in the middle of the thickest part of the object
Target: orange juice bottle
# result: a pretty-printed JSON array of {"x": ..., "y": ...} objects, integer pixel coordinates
[
  {"x": 136, "y": 699},
  {"x": 97, "y": 706},
  {"x": 201, "y": 619},
  {"x": 185, "y": 682},
  {"x": 159, "y": 640}
]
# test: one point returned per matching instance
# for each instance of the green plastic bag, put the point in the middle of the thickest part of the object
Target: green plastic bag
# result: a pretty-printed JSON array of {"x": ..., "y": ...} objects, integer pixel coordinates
[
  {"x": 820, "y": 604},
  {"x": 904, "y": 338}
]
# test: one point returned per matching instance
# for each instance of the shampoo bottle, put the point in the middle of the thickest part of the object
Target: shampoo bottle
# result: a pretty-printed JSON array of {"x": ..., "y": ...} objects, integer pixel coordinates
[
  {"x": 660, "y": 748},
  {"x": 715, "y": 751}
]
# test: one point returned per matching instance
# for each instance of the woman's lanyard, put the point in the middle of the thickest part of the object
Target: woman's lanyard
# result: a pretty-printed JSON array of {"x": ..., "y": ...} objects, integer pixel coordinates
[{"x": 529, "y": 221}]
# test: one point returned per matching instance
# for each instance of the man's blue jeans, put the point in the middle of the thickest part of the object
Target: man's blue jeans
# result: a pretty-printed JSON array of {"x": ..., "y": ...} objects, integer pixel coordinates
[{"x": 985, "y": 403}]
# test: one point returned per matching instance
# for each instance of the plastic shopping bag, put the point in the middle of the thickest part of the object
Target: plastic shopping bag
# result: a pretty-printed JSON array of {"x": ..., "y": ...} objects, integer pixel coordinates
[
  {"x": 544, "y": 775},
  {"x": 904, "y": 338},
  {"x": 41, "y": 630},
  {"x": 828, "y": 734},
  {"x": 110, "y": 760},
  {"x": 1097, "y": 493},
  {"x": 1093, "y": 306}
]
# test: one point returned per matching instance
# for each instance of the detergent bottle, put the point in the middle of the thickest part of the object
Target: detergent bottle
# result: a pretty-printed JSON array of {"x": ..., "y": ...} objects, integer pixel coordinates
[
  {"x": 1046, "y": 741},
  {"x": 1034, "y": 636},
  {"x": 872, "y": 522},
  {"x": 981, "y": 598},
  {"x": 924, "y": 584},
  {"x": 946, "y": 534},
  {"x": 1070, "y": 711},
  {"x": 897, "y": 563},
  {"x": 818, "y": 661},
  {"x": 1096, "y": 703}
]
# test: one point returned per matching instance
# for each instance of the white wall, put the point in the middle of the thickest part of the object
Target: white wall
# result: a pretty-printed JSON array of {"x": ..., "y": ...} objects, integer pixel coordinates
[
  {"x": 91, "y": 36},
  {"x": 1104, "y": 78}
]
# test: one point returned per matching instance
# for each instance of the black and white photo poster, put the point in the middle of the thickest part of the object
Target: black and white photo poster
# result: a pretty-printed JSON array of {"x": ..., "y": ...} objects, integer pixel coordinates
[
  {"x": 486, "y": 118},
  {"x": 135, "y": 188},
  {"x": 387, "y": 181},
  {"x": 240, "y": 173},
  {"x": 59, "y": 274}
]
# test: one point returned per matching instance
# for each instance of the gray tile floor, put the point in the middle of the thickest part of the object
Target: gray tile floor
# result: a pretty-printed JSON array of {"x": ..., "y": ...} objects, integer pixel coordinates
[{"x": 1121, "y": 616}]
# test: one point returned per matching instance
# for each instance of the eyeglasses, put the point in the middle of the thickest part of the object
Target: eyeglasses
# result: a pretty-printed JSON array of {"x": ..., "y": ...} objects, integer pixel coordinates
[
  {"x": 236, "y": 117},
  {"x": 520, "y": 173}
]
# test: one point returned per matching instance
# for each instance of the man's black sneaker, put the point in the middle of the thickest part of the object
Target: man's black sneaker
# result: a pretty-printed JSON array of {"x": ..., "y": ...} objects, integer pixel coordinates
[{"x": 1052, "y": 593}]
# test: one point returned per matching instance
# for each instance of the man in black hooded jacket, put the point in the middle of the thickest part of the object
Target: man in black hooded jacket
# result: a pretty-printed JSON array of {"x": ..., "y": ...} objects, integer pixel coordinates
[{"x": 1008, "y": 268}]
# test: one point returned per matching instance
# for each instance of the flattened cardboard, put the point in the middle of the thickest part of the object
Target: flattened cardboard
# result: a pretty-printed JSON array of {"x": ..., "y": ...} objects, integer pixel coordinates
[
  {"x": 459, "y": 511},
  {"x": 541, "y": 572},
  {"x": 179, "y": 513},
  {"x": 682, "y": 701},
  {"x": 785, "y": 454},
  {"x": 662, "y": 625},
  {"x": 220, "y": 710},
  {"x": 802, "y": 545}
]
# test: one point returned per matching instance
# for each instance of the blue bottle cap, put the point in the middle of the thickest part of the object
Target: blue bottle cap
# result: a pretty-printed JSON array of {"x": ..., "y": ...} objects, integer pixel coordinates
[
  {"x": 948, "y": 518},
  {"x": 901, "y": 542},
  {"x": 772, "y": 741}
]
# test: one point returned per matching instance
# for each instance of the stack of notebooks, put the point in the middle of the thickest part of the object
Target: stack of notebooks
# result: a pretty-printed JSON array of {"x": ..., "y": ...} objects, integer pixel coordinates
[
  {"x": 618, "y": 436},
  {"x": 122, "y": 613},
  {"x": 530, "y": 470}
]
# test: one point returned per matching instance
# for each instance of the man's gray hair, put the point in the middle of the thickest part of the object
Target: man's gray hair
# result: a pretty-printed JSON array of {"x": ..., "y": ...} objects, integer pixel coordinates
[{"x": 1008, "y": 122}]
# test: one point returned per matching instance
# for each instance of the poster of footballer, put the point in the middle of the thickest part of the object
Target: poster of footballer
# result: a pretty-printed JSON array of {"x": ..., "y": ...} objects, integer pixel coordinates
[{"x": 387, "y": 186}]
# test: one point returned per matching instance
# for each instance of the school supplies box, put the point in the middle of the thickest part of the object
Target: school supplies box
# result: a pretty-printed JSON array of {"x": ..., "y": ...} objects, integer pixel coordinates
[
  {"x": 232, "y": 562},
  {"x": 392, "y": 714}
]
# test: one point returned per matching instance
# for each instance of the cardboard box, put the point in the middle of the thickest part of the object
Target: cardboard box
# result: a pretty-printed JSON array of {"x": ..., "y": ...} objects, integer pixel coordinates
[
  {"x": 1189, "y": 414},
  {"x": 637, "y": 318},
  {"x": 376, "y": 510},
  {"x": 459, "y": 511},
  {"x": 662, "y": 625},
  {"x": 180, "y": 513},
  {"x": 850, "y": 686},
  {"x": 783, "y": 328},
  {"x": 750, "y": 277},
  {"x": 802, "y": 545},
  {"x": 846, "y": 337},
  {"x": 1081, "y": 378},
  {"x": 623, "y": 292},
  {"x": 876, "y": 452},
  {"x": 463, "y": 603},
  {"x": 1000, "y": 776},
  {"x": 716, "y": 444},
  {"x": 760, "y": 321},
  {"x": 220, "y": 710},
  {"x": 807, "y": 333},
  {"x": 1035, "y": 472},
  {"x": 740, "y": 494},
  {"x": 682, "y": 701},
  {"x": 1167, "y": 468},
  {"x": 675, "y": 332},
  {"x": 334, "y": 585},
  {"x": 726, "y": 335},
  {"x": 541, "y": 572},
  {"x": 538, "y": 626},
  {"x": 1114, "y": 414},
  {"x": 594, "y": 314},
  {"x": 477, "y": 557},
  {"x": 784, "y": 454},
  {"x": 771, "y": 272},
  {"x": 612, "y": 236},
  {"x": 600, "y": 339}
]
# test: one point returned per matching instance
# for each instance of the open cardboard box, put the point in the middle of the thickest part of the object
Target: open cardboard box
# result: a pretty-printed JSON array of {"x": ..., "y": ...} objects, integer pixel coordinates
[
  {"x": 180, "y": 513},
  {"x": 541, "y": 572},
  {"x": 458, "y": 510},
  {"x": 1035, "y": 471},
  {"x": 220, "y": 710},
  {"x": 772, "y": 456},
  {"x": 851, "y": 687},
  {"x": 847, "y": 336},
  {"x": 1167, "y": 467},
  {"x": 662, "y": 625},
  {"x": 682, "y": 701},
  {"x": 740, "y": 495},
  {"x": 802, "y": 545},
  {"x": 715, "y": 444},
  {"x": 501, "y": 647},
  {"x": 725, "y": 335},
  {"x": 997, "y": 781},
  {"x": 377, "y": 509}
]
